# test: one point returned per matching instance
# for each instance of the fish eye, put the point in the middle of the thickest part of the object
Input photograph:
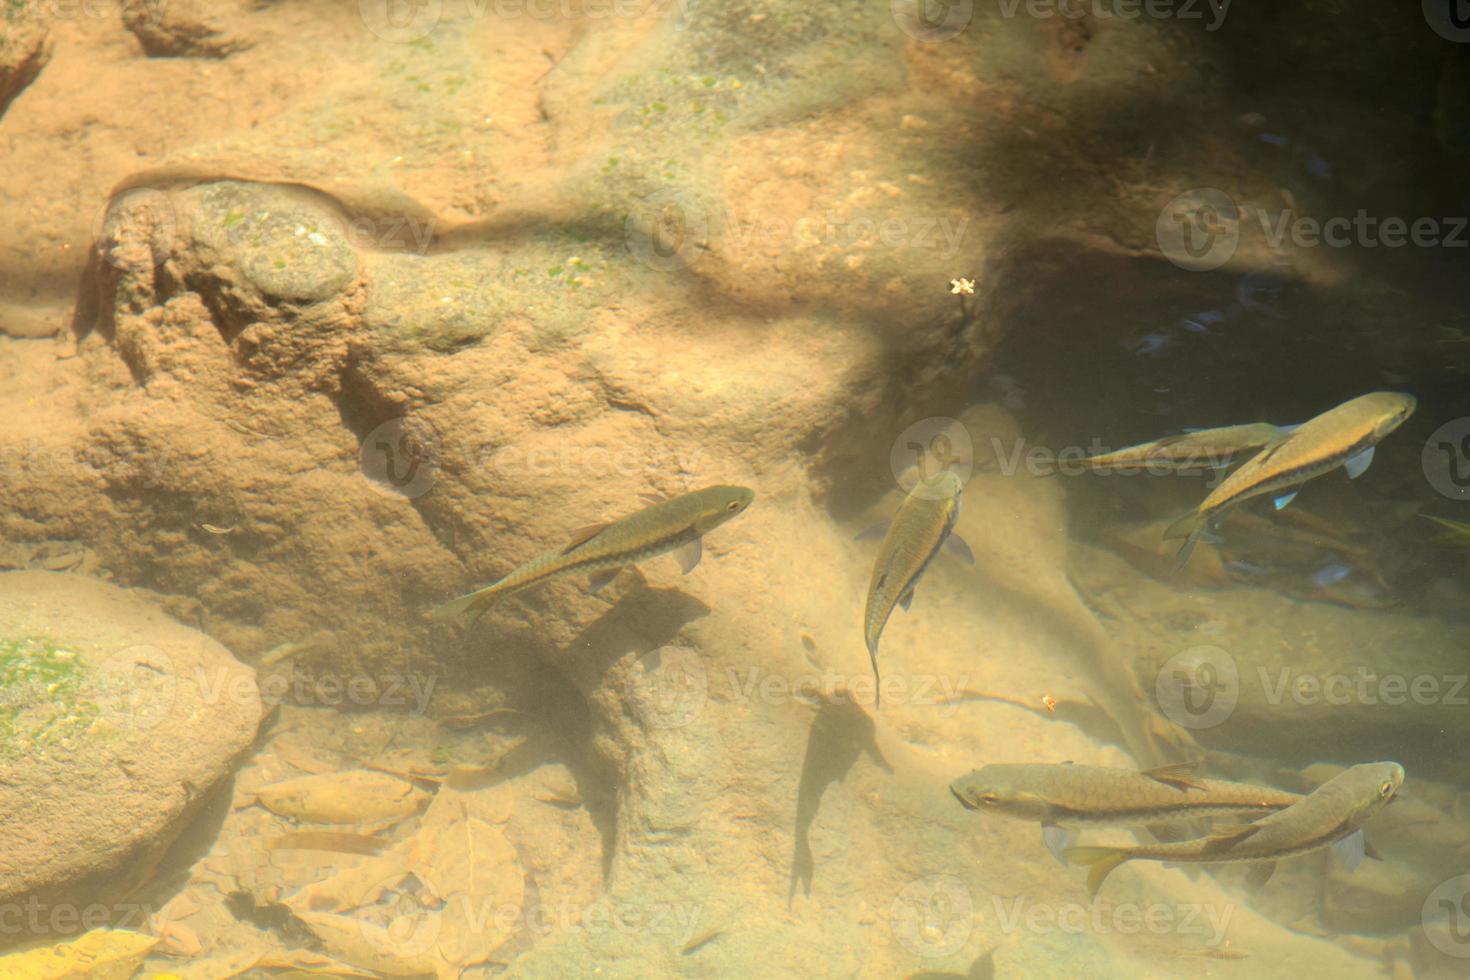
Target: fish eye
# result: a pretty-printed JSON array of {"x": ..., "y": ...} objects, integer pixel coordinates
[
  {"x": 989, "y": 797},
  {"x": 1386, "y": 789},
  {"x": 733, "y": 505}
]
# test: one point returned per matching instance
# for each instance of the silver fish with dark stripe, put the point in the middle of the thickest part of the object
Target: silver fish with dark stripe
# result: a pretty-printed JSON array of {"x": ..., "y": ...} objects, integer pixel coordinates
[
  {"x": 604, "y": 549},
  {"x": 1344, "y": 436},
  {"x": 1190, "y": 450},
  {"x": 1333, "y": 813},
  {"x": 1068, "y": 795},
  {"x": 922, "y": 525}
]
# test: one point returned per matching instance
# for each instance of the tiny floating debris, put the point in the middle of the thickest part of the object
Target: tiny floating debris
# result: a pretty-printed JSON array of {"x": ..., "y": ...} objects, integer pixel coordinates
[{"x": 216, "y": 529}]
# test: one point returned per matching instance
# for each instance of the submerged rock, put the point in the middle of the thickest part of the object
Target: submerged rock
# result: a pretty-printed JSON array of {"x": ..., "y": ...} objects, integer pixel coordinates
[{"x": 118, "y": 722}]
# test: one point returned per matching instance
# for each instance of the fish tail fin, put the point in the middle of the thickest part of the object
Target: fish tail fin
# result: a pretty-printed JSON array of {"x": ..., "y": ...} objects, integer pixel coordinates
[
  {"x": 1191, "y": 527},
  {"x": 478, "y": 602},
  {"x": 877, "y": 681},
  {"x": 1100, "y": 862}
]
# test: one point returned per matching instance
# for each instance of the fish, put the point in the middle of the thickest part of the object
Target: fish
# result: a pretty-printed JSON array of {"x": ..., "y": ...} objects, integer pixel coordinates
[
  {"x": 1073, "y": 795},
  {"x": 1190, "y": 450},
  {"x": 924, "y": 522},
  {"x": 1344, "y": 436},
  {"x": 1332, "y": 814},
  {"x": 676, "y": 524},
  {"x": 1456, "y": 533}
]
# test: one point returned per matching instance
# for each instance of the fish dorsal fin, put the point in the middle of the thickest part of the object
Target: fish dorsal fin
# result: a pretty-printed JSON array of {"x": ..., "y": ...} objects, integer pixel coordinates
[
  {"x": 1259, "y": 873},
  {"x": 582, "y": 535},
  {"x": 1180, "y": 775},
  {"x": 1270, "y": 448},
  {"x": 599, "y": 580},
  {"x": 1226, "y": 837}
]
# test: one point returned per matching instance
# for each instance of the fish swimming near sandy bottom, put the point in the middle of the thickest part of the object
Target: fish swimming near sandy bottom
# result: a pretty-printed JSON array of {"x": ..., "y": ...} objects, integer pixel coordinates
[
  {"x": 1061, "y": 795},
  {"x": 924, "y": 523},
  {"x": 1345, "y": 436},
  {"x": 677, "y": 524},
  {"x": 1190, "y": 450},
  {"x": 1333, "y": 814}
]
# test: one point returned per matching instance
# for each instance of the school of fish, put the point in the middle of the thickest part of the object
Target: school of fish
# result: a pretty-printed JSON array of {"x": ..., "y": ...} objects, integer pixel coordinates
[{"x": 1266, "y": 824}]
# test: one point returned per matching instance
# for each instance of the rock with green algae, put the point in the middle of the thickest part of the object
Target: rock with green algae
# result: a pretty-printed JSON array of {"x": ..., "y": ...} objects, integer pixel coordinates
[{"x": 116, "y": 722}]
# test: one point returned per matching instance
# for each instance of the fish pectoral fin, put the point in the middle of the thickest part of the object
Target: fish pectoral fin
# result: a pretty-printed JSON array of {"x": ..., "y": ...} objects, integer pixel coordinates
[
  {"x": 906, "y": 600},
  {"x": 582, "y": 535},
  {"x": 1180, "y": 775},
  {"x": 872, "y": 533},
  {"x": 652, "y": 498},
  {"x": 1350, "y": 850},
  {"x": 598, "y": 581},
  {"x": 1369, "y": 851},
  {"x": 956, "y": 546},
  {"x": 1184, "y": 527},
  {"x": 1357, "y": 465},
  {"x": 1259, "y": 872},
  {"x": 1057, "y": 840},
  {"x": 1100, "y": 862},
  {"x": 689, "y": 555},
  {"x": 1284, "y": 499},
  {"x": 1226, "y": 837}
]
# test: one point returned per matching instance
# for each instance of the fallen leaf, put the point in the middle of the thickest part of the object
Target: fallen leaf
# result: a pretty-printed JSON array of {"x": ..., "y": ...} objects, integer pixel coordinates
[
  {"x": 354, "y": 796},
  {"x": 102, "y": 954}
]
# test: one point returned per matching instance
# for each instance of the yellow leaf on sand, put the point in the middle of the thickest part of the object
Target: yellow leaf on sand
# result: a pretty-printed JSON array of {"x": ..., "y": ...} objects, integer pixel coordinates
[
  {"x": 354, "y": 796},
  {"x": 102, "y": 954},
  {"x": 444, "y": 899}
]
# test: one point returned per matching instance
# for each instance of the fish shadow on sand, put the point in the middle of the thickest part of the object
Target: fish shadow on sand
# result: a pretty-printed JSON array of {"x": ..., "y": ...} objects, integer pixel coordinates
[
  {"x": 555, "y": 684},
  {"x": 840, "y": 733},
  {"x": 640, "y": 622}
]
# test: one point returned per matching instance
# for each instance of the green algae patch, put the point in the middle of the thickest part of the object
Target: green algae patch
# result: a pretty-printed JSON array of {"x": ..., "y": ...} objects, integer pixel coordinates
[
  {"x": 41, "y": 697},
  {"x": 556, "y": 283}
]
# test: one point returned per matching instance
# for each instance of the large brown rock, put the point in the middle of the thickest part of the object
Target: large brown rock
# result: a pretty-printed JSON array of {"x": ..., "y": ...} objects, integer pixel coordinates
[{"x": 118, "y": 723}]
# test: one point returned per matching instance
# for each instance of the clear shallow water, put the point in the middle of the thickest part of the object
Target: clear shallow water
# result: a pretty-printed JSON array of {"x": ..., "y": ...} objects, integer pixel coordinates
[{"x": 319, "y": 315}]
